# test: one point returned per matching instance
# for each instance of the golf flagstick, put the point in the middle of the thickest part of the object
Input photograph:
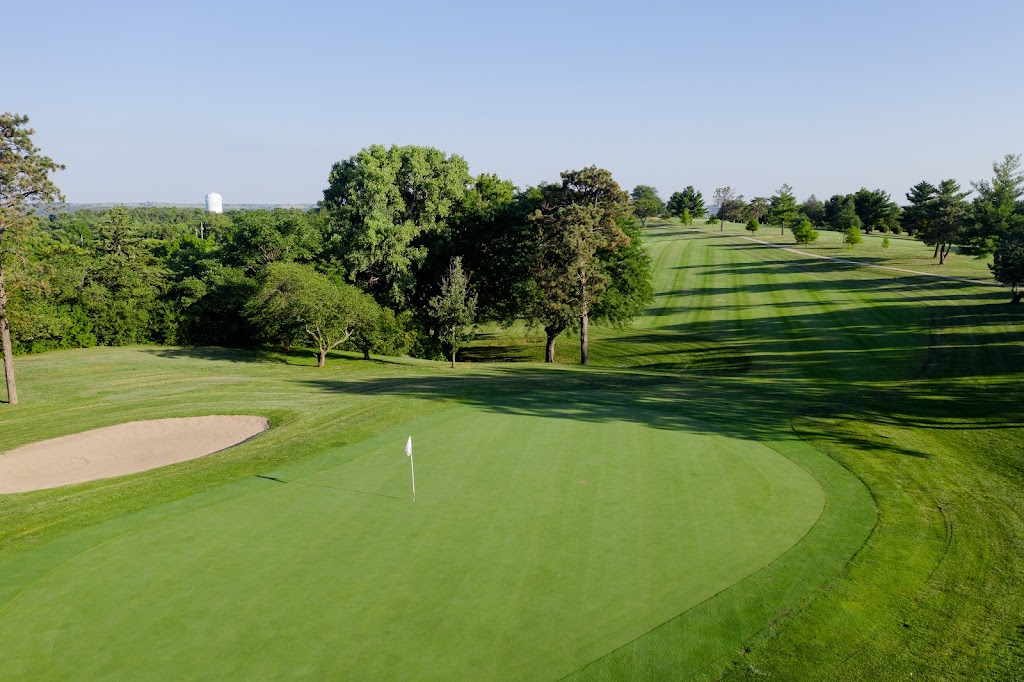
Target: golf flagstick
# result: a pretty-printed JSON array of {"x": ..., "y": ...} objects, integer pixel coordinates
[{"x": 412, "y": 468}]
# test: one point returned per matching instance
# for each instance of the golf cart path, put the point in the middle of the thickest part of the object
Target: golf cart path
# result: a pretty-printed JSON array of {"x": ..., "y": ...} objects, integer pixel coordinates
[{"x": 870, "y": 265}]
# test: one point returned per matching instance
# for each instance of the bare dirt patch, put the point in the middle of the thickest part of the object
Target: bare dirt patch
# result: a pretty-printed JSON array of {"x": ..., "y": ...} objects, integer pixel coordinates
[{"x": 122, "y": 449}]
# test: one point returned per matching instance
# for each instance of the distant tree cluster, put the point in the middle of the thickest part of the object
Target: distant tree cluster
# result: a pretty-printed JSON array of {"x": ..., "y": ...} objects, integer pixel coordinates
[
  {"x": 941, "y": 215},
  {"x": 405, "y": 254}
]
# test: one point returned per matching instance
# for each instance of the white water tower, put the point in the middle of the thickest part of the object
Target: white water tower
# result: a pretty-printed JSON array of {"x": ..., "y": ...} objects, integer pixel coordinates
[{"x": 214, "y": 203}]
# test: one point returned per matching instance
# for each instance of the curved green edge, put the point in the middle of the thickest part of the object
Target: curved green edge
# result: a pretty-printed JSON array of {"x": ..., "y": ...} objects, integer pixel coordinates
[
  {"x": 698, "y": 643},
  {"x": 707, "y": 639}
]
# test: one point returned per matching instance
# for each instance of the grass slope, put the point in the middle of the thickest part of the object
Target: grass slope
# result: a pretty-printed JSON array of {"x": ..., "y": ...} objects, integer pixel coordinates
[{"x": 912, "y": 384}]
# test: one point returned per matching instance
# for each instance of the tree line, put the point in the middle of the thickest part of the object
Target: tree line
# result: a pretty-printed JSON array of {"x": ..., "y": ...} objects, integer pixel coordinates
[{"x": 406, "y": 253}]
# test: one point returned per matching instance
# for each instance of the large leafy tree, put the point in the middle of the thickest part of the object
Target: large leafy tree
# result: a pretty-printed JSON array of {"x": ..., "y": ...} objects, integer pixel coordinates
[
  {"x": 646, "y": 203},
  {"x": 577, "y": 221},
  {"x": 299, "y": 297},
  {"x": 996, "y": 211},
  {"x": 782, "y": 208},
  {"x": 381, "y": 202},
  {"x": 24, "y": 184}
]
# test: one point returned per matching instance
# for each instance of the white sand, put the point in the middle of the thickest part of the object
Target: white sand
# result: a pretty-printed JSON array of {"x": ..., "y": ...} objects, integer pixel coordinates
[{"x": 122, "y": 449}]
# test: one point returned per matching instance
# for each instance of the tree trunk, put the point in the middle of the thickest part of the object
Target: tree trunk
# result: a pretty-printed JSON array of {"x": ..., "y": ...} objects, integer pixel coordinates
[
  {"x": 321, "y": 359},
  {"x": 366, "y": 352},
  {"x": 936, "y": 254},
  {"x": 5, "y": 335},
  {"x": 453, "y": 359},
  {"x": 585, "y": 338},
  {"x": 584, "y": 320},
  {"x": 721, "y": 226},
  {"x": 552, "y": 333},
  {"x": 287, "y": 345},
  {"x": 1017, "y": 296}
]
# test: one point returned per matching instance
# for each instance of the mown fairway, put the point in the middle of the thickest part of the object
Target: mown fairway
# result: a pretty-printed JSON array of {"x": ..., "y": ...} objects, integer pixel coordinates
[{"x": 684, "y": 509}]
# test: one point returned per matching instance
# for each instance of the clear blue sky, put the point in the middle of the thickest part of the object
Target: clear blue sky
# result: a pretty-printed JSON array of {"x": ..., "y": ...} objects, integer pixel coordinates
[{"x": 167, "y": 101}]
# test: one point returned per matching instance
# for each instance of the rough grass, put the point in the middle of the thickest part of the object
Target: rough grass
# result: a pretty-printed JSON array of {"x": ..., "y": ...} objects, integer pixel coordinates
[{"x": 912, "y": 384}]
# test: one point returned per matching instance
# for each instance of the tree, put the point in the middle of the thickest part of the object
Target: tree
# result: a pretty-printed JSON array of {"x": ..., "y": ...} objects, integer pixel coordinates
[
  {"x": 576, "y": 222},
  {"x": 946, "y": 217},
  {"x": 814, "y": 209},
  {"x": 646, "y": 203},
  {"x": 874, "y": 208},
  {"x": 753, "y": 226},
  {"x": 694, "y": 201},
  {"x": 688, "y": 200},
  {"x": 298, "y": 296},
  {"x": 723, "y": 195},
  {"x": 381, "y": 203},
  {"x": 382, "y": 332},
  {"x": 885, "y": 242},
  {"x": 736, "y": 210},
  {"x": 996, "y": 211},
  {"x": 841, "y": 214},
  {"x": 759, "y": 208},
  {"x": 686, "y": 218},
  {"x": 851, "y": 236},
  {"x": 627, "y": 267},
  {"x": 915, "y": 216},
  {"x": 1008, "y": 263},
  {"x": 803, "y": 230},
  {"x": 260, "y": 237},
  {"x": 24, "y": 184},
  {"x": 782, "y": 207},
  {"x": 675, "y": 205},
  {"x": 454, "y": 309}
]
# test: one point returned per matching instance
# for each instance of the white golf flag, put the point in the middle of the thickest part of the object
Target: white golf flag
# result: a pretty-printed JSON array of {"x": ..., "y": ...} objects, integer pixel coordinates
[{"x": 408, "y": 447}]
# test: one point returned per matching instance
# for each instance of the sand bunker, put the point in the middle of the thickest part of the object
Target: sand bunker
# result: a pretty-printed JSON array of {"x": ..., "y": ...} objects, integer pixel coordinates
[{"x": 122, "y": 449}]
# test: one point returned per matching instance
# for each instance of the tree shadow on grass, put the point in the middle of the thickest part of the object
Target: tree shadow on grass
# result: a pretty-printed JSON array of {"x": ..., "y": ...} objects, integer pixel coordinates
[{"x": 222, "y": 354}]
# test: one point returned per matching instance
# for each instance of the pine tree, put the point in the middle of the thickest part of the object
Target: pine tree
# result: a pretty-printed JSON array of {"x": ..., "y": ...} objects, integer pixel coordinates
[{"x": 24, "y": 184}]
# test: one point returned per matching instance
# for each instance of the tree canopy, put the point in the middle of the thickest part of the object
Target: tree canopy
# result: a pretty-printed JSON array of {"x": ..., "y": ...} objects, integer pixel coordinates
[
  {"x": 646, "y": 203},
  {"x": 782, "y": 208},
  {"x": 380, "y": 202},
  {"x": 577, "y": 222}
]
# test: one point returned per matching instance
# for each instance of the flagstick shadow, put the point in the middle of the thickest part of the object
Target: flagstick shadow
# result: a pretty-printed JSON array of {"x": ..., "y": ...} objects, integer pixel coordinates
[{"x": 331, "y": 487}]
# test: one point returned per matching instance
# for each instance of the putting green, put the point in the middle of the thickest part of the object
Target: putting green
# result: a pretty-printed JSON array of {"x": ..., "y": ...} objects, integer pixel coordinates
[{"x": 536, "y": 546}]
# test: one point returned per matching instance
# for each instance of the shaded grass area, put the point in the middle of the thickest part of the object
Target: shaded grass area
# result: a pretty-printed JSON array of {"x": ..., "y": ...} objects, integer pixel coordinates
[{"x": 912, "y": 384}]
